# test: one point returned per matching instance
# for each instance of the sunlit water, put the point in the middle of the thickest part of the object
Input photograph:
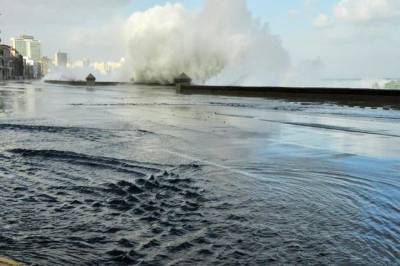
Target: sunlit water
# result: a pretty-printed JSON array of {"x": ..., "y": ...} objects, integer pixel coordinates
[{"x": 128, "y": 175}]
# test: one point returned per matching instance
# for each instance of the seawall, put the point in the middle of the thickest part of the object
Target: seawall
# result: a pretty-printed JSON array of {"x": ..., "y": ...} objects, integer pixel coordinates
[
  {"x": 348, "y": 96},
  {"x": 83, "y": 83}
]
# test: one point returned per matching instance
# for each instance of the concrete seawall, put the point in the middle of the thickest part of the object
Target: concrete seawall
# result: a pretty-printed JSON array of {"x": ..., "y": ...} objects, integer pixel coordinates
[
  {"x": 83, "y": 83},
  {"x": 348, "y": 96},
  {"x": 106, "y": 83}
]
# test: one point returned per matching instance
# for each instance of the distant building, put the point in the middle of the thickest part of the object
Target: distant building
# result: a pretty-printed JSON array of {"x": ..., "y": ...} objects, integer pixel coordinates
[
  {"x": 11, "y": 63},
  {"x": 46, "y": 65},
  {"x": 32, "y": 69},
  {"x": 19, "y": 45},
  {"x": 61, "y": 59},
  {"x": 103, "y": 67},
  {"x": 27, "y": 46},
  {"x": 2, "y": 64},
  {"x": 108, "y": 67},
  {"x": 86, "y": 62}
]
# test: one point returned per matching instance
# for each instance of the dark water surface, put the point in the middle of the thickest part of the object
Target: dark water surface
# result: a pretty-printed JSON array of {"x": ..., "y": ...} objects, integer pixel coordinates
[{"x": 142, "y": 176}]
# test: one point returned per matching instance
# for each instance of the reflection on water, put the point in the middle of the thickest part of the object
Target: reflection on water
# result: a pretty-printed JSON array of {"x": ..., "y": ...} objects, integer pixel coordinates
[
  {"x": 128, "y": 175},
  {"x": 2, "y": 107},
  {"x": 18, "y": 100}
]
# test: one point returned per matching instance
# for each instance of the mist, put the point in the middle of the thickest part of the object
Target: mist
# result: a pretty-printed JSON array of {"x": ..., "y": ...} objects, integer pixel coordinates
[
  {"x": 220, "y": 44},
  {"x": 80, "y": 73}
]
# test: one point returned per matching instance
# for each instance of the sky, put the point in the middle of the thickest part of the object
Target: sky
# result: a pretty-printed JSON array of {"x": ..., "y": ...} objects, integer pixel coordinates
[{"x": 350, "y": 38}]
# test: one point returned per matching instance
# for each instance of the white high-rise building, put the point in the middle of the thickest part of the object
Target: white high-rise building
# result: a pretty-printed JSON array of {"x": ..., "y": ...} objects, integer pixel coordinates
[
  {"x": 61, "y": 59},
  {"x": 27, "y": 46}
]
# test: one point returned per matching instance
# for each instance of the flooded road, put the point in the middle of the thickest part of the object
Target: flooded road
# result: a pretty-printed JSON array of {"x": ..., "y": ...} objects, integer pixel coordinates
[{"x": 141, "y": 175}]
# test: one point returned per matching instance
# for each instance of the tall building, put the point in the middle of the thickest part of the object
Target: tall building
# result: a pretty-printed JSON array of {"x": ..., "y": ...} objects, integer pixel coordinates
[
  {"x": 27, "y": 46},
  {"x": 46, "y": 64},
  {"x": 61, "y": 59}
]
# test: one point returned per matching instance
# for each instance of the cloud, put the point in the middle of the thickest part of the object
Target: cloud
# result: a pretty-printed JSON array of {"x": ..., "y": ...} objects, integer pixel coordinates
[
  {"x": 69, "y": 25},
  {"x": 361, "y": 13},
  {"x": 367, "y": 11},
  {"x": 293, "y": 13},
  {"x": 322, "y": 21},
  {"x": 309, "y": 3},
  {"x": 57, "y": 12}
]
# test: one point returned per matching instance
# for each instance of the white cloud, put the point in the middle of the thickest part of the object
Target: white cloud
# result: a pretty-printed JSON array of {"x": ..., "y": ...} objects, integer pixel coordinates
[
  {"x": 293, "y": 13},
  {"x": 367, "y": 11},
  {"x": 361, "y": 13},
  {"x": 322, "y": 21},
  {"x": 60, "y": 23},
  {"x": 34, "y": 12},
  {"x": 309, "y": 3},
  {"x": 360, "y": 38}
]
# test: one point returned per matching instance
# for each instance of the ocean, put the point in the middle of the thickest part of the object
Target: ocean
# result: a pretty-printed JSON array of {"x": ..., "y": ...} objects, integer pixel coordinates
[{"x": 130, "y": 175}]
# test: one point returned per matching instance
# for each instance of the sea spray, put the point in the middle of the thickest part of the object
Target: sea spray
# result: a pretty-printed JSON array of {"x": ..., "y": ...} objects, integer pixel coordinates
[
  {"x": 77, "y": 70},
  {"x": 220, "y": 44},
  {"x": 77, "y": 73}
]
